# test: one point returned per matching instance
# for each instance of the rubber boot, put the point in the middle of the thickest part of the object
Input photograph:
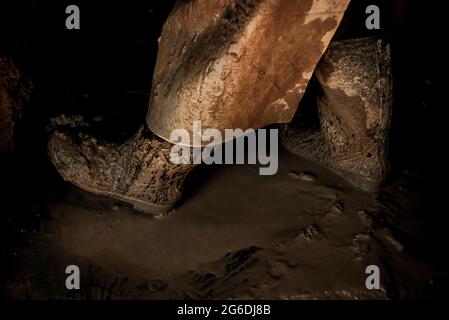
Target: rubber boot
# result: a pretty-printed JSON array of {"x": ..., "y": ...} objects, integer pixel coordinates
[
  {"x": 354, "y": 108},
  {"x": 138, "y": 171}
]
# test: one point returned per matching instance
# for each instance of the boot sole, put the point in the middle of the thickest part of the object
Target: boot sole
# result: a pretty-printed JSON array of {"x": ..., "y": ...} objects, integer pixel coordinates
[
  {"x": 148, "y": 208},
  {"x": 364, "y": 183}
]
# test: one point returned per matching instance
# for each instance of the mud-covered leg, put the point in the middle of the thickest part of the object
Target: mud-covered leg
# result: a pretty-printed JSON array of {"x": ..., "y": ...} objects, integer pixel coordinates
[
  {"x": 237, "y": 63},
  {"x": 354, "y": 108},
  {"x": 228, "y": 64}
]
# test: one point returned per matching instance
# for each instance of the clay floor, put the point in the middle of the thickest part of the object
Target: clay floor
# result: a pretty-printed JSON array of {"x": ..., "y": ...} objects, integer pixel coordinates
[{"x": 300, "y": 234}]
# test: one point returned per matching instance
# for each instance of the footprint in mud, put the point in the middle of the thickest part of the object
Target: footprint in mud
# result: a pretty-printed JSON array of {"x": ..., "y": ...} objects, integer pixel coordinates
[
  {"x": 322, "y": 201},
  {"x": 238, "y": 259},
  {"x": 336, "y": 211},
  {"x": 311, "y": 232}
]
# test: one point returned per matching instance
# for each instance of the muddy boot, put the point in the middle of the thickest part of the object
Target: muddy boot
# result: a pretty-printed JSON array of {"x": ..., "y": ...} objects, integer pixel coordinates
[
  {"x": 138, "y": 171},
  {"x": 237, "y": 63},
  {"x": 354, "y": 108}
]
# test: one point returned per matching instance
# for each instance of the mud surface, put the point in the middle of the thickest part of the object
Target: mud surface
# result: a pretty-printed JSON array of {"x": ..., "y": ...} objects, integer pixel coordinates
[{"x": 300, "y": 234}]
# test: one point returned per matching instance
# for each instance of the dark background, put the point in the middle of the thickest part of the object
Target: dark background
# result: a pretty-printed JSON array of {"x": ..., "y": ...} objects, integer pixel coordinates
[{"x": 110, "y": 60}]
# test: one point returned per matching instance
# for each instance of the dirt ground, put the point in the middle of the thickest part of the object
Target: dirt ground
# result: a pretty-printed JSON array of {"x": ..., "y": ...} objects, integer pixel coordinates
[{"x": 300, "y": 234}]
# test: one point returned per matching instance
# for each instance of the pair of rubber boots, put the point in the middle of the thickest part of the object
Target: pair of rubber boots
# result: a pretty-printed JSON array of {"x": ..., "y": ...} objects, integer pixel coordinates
[{"x": 354, "y": 109}]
